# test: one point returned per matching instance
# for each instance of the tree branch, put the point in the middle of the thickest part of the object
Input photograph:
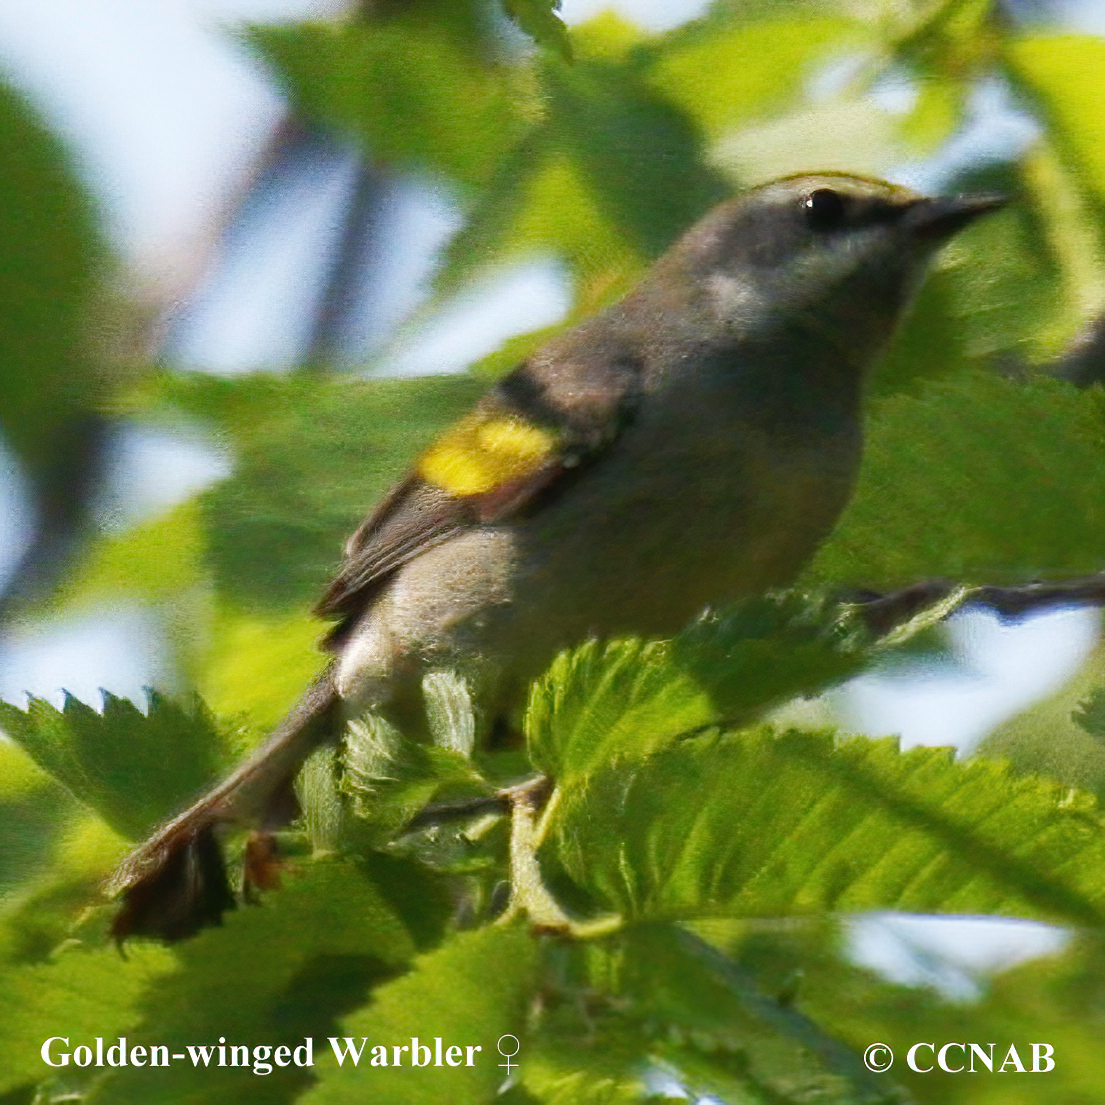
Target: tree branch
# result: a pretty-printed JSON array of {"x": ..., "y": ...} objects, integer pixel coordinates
[{"x": 883, "y": 612}]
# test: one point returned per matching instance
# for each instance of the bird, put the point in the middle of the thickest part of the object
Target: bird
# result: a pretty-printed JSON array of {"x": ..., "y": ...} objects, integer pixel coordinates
[{"x": 687, "y": 447}]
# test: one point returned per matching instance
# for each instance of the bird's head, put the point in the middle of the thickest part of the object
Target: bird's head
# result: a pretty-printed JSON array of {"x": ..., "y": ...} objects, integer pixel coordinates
[{"x": 835, "y": 255}]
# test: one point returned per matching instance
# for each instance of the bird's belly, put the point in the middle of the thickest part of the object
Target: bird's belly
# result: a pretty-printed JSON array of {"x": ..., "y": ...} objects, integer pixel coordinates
[
  {"x": 645, "y": 550},
  {"x": 637, "y": 546}
]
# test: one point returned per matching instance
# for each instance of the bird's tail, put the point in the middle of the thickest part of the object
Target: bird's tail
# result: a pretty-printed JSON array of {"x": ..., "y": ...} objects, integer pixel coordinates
[{"x": 176, "y": 882}]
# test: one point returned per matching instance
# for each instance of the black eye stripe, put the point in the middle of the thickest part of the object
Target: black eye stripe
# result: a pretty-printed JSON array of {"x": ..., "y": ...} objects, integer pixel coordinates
[{"x": 824, "y": 209}]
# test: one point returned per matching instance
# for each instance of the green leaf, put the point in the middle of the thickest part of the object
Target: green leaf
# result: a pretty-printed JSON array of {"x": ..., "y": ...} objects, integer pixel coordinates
[
  {"x": 930, "y": 344},
  {"x": 424, "y": 901},
  {"x": 936, "y": 114},
  {"x": 1062, "y": 737},
  {"x": 270, "y": 975},
  {"x": 392, "y": 777},
  {"x": 80, "y": 994},
  {"x": 312, "y": 458},
  {"x": 654, "y": 999},
  {"x": 1060, "y": 73},
  {"x": 605, "y": 181},
  {"x": 495, "y": 210},
  {"x": 570, "y": 1082},
  {"x": 978, "y": 479},
  {"x": 1090, "y": 715},
  {"x": 258, "y": 663},
  {"x": 160, "y": 560},
  {"x": 951, "y": 41},
  {"x": 1069, "y": 248},
  {"x": 413, "y": 92},
  {"x": 760, "y": 824},
  {"x": 1005, "y": 279},
  {"x": 133, "y": 769},
  {"x": 539, "y": 20},
  {"x": 51, "y": 261},
  {"x": 719, "y": 1027},
  {"x": 999, "y": 290},
  {"x": 34, "y": 810},
  {"x": 600, "y": 703},
  {"x": 470, "y": 992},
  {"x": 765, "y": 650},
  {"x": 724, "y": 76},
  {"x": 61, "y": 899},
  {"x": 1046, "y": 999},
  {"x": 641, "y": 157},
  {"x": 622, "y": 701},
  {"x": 557, "y": 211}
]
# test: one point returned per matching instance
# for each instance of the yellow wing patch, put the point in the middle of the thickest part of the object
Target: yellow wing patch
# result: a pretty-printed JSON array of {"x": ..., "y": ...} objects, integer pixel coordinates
[{"x": 485, "y": 451}]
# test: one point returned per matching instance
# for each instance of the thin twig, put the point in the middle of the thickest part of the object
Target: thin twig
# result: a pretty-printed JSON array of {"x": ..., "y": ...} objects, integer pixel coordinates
[
  {"x": 460, "y": 810},
  {"x": 883, "y": 612},
  {"x": 338, "y": 299}
]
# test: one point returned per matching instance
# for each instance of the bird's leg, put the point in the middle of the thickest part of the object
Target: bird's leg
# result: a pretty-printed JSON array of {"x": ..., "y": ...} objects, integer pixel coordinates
[{"x": 261, "y": 866}]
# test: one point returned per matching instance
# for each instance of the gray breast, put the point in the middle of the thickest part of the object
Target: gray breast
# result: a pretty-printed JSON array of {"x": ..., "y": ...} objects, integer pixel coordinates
[{"x": 695, "y": 505}]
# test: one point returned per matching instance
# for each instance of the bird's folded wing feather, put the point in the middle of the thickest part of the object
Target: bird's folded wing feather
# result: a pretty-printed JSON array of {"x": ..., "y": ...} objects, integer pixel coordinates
[{"x": 518, "y": 445}]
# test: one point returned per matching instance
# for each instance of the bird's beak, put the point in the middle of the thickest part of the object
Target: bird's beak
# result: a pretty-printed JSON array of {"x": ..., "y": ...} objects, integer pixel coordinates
[{"x": 946, "y": 215}]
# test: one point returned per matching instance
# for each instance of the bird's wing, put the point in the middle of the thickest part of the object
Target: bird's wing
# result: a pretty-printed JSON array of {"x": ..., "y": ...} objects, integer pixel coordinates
[
  {"x": 541, "y": 425},
  {"x": 537, "y": 426}
]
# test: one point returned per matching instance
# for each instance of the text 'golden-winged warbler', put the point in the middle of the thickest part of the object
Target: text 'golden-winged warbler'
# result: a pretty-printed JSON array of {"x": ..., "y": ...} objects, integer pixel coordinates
[{"x": 689, "y": 446}]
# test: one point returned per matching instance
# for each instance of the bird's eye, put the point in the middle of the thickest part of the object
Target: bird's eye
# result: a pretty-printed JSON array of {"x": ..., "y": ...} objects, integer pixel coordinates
[{"x": 824, "y": 209}]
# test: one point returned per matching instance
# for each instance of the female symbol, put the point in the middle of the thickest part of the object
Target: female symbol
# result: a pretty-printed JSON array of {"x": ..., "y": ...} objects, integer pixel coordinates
[{"x": 508, "y": 1055}]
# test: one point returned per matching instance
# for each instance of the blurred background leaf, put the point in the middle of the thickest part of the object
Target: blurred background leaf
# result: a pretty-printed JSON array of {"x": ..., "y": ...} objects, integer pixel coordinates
[
  {"x": 52, "y": 261},
  {"x": 976, "y": 478}
]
